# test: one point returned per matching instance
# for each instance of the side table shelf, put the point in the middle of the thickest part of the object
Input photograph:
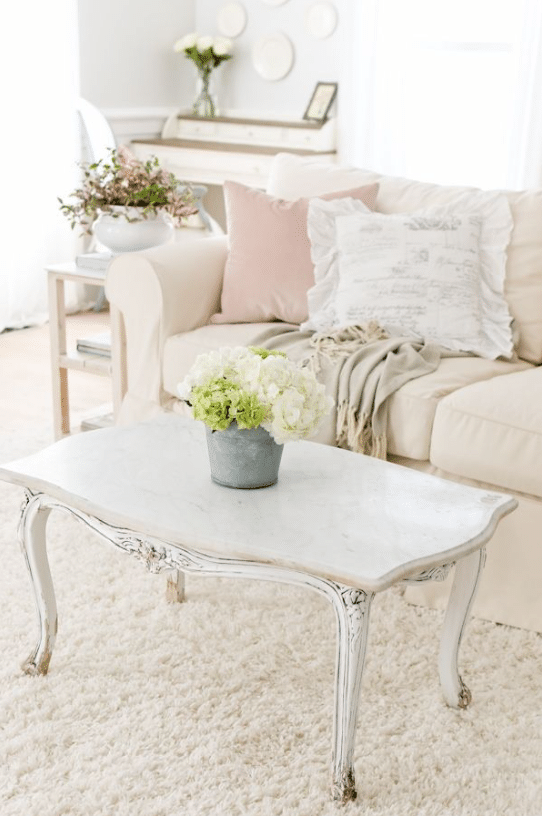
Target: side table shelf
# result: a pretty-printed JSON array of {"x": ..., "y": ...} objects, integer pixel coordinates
[
  {"x": 93, "y": 363},
  {"x": 63, "y": 360}
]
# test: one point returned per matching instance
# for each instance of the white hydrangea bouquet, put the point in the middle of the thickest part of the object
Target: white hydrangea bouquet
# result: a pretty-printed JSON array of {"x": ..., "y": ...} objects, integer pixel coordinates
[{"x": 255, "y": 386}]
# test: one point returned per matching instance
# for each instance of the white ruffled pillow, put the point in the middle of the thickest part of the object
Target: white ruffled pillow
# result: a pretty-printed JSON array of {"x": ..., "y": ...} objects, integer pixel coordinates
[{"x": 437, "y": 274}]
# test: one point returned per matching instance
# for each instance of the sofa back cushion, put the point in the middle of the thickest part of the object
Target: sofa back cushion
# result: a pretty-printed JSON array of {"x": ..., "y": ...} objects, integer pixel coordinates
[
  {"x": 269, "y": 269},
  {"x": 293, "y": 176}
]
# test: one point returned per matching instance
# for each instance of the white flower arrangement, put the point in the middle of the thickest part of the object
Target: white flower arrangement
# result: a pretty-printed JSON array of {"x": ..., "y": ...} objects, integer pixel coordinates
[
  {"x": 206, "y": 52},
  {"x": 255, "y": 386}
]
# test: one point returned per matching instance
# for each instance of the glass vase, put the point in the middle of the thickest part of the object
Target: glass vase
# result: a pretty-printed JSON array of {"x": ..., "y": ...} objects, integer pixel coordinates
[{"x": 205, "y": 102}]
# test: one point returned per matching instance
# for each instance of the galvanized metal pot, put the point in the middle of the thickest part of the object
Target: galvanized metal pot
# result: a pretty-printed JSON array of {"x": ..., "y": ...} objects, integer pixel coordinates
[{"x": 243, "y": 457}]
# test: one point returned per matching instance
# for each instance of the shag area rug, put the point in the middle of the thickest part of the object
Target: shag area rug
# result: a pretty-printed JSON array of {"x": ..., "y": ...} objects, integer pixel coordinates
[{"x": 222, "y": 705}]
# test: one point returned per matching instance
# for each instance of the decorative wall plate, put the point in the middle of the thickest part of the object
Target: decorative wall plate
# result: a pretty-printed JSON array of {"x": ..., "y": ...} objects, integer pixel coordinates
[
  {"x": 273, "y": 56},
  {"x": 321, "y": 19},
  {"x": 231, "y": 19}
]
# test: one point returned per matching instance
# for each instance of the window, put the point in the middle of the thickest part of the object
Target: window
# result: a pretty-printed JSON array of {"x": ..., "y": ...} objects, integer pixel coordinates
[{"x": 440, "y": 103}]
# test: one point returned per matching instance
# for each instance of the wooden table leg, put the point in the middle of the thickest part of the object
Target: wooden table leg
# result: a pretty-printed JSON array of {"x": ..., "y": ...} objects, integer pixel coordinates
[
  {"x": 59, "y": 375},
  {"x": 468, "y": 571},
  {"x": 175, "y": 587},
  {"x": 118, "y": 359}
]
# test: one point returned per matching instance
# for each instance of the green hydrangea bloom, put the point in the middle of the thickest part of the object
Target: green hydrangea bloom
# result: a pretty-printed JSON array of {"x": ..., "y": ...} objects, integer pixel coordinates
[
  {"x": 219, "y": 402},
  {"x": 264, "y": 353}
]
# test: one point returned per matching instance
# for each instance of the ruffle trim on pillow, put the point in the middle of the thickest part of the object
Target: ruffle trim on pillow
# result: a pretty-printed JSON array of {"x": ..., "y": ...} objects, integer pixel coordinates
[
  {"x": 324, "y": 254},
  {"x": 495, "y": 338}
]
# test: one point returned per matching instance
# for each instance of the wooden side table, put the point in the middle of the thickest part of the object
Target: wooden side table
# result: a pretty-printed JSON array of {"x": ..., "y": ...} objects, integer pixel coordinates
[{"x": 62, "y": 360}]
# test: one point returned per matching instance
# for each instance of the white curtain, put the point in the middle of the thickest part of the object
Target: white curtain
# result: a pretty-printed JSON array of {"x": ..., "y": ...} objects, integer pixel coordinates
[
  {"x": 39, "y": 68},
  {"x": 444, "y": 92},
  {"x": 525, "y": 168}
]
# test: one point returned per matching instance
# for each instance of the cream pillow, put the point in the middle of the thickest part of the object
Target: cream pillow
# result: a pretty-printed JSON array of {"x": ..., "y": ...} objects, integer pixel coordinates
[{"x": 437, "y": 274}]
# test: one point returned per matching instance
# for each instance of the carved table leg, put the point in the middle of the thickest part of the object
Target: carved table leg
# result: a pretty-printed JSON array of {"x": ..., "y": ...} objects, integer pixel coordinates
[
  {"x": 32, "y": 539},
  {"x": 467, "y": 576},
  {"x": 175, "y": 587},
  {"x": 352, "y": 607}
]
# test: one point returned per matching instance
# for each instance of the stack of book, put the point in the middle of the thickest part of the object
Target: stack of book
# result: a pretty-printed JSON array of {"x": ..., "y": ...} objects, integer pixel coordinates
[
  {"x": 98, "y": 344},
  {"x": 93, "y": 261}
]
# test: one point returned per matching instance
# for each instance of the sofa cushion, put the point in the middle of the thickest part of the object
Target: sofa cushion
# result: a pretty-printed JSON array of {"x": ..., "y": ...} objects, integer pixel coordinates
[
  {"x": 181, "y": 350},
  {"x": 269, "y": 268},
  {"x": 293, "y": 176},
  {"x": 411, "y": 409},
  {"x": 436, "y": 274},
  {"x": 492, "y": 431},
  {"x": 523, "y": 282}
]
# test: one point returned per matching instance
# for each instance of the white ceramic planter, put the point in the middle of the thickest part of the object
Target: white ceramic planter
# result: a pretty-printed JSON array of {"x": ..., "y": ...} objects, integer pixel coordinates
[{"x": 120, "y": 235}]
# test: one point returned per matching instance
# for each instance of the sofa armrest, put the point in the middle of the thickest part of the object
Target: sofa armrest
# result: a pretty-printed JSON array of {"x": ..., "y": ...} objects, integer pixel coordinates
[{"x": 157, "y": 293}]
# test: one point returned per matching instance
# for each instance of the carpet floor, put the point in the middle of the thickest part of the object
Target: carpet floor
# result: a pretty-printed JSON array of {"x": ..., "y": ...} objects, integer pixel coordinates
[{"x": 222, "y": 705}]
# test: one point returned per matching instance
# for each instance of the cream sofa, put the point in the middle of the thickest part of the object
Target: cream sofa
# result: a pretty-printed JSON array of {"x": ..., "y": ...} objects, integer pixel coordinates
[{"x": 473, "y": 420}]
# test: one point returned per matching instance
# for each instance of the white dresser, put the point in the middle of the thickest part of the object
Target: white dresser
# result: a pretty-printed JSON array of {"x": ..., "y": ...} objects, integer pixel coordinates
[{"x": 210, "y": 151}]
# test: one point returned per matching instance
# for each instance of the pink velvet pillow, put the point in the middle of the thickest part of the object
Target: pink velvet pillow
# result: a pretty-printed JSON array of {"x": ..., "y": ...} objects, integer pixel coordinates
[{"x": 269, "y": 268}]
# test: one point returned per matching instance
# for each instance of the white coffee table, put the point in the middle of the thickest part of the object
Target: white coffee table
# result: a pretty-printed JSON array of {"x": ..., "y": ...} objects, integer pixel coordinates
[{"x": 341, "y": 523}]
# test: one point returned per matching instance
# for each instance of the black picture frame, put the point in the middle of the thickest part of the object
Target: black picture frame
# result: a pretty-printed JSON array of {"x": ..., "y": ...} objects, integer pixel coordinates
[{"x": 321, "y": 100}]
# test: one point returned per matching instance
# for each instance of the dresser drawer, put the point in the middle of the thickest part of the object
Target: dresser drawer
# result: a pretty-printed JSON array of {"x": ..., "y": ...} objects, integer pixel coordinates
[
  {"x": 201, "y": 128},
  {"x": 251, "y": 134},
  {"x": 300, "y": 138}
]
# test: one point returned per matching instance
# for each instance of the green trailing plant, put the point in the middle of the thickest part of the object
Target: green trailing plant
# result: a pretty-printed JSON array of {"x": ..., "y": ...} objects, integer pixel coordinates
[{"x": 120, "y": 182}]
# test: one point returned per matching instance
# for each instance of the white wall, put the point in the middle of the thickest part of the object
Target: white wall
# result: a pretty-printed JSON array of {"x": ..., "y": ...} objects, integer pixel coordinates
[
  {"x": 127, "y": 59},
  {"x": 129, "y": 70},
  {"x": 126, "y": 52},
  {"x": 237, "y": 82}
]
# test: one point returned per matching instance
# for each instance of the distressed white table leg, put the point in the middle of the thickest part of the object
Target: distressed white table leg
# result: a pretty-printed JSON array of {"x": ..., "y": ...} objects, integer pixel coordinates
[
  {"x": 175, "y": 587},
  {"x": 352, "y": 607},
  {"x": 467, "y": 577},
  {"x": 33, "y": 542}
]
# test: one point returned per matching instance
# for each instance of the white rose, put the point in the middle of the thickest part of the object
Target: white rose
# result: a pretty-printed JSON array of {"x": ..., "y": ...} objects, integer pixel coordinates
[
  {"x": 188, "y": 41},
  {"x": 203, "y": 43},
  {"x": 222, "y": 46}
]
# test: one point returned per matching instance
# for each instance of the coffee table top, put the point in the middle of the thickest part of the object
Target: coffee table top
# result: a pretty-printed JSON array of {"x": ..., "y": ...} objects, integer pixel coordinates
[{"x": 336, "y": 514}]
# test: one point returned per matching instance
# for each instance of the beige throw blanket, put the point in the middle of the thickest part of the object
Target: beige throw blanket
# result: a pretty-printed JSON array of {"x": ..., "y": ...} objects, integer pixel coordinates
[{"x": 361, "y": 366}]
